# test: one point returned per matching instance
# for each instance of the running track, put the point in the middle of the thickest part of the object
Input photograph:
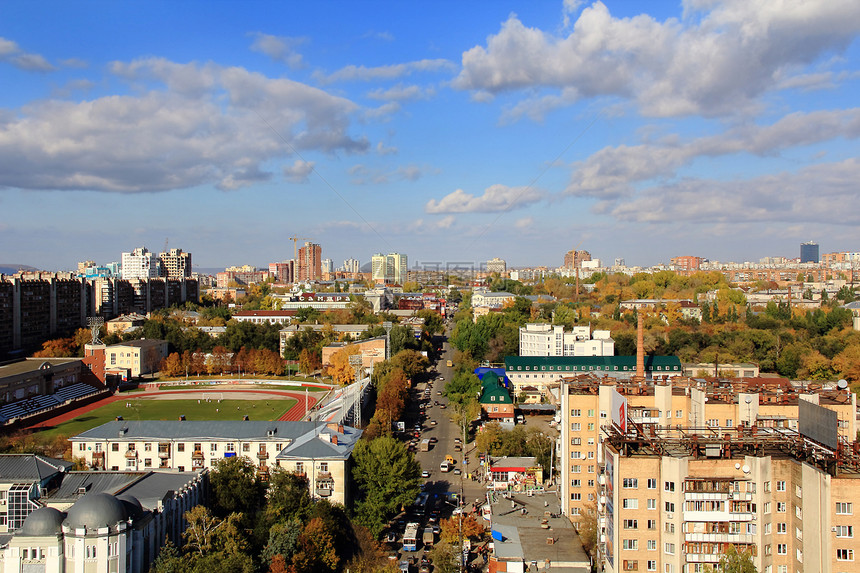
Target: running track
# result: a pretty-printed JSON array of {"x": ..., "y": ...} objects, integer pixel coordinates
[{"x": 293, "y": 414}]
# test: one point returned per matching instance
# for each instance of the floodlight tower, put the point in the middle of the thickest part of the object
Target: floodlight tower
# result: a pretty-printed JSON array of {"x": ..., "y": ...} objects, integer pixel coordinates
[
  {"x": 95, "y": 323},
  {"x": 355, "y": 362},
  {"x": 387, "y": 326}
]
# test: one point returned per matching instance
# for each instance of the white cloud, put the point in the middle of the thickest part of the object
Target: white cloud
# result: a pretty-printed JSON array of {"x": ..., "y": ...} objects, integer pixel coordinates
[
  {"x": 279, "y": 48},
  {"x": 11, "y": 53},
  {"x": 299, "y": 171},
  {"x": 717, "y": 60},
  {"x": 191, "y": 124},
  {"x": 401, "y": 92},
  {"x": 496, "y": 198},
  {"x": 364, "y": 175},
  {"x": 816, "y": 194},
  {"x": 613, "y": 172},
  {"x": 391, "y": 72},
  {"x": 381, "y": 149},
  {"x": 524, "y": 223}
]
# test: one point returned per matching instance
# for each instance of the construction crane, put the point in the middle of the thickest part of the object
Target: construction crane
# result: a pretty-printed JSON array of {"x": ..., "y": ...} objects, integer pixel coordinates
[{"x": 295, "y": 241}]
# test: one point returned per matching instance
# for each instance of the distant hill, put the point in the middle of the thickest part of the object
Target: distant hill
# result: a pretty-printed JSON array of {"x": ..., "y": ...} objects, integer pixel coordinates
[{"x": 12, "y": 268}]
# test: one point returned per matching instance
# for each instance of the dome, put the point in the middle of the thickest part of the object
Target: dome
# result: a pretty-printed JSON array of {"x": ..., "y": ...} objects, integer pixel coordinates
[
  {"x": 44, "y": 521},
  {"x": 96, "y": 510},
  {"x": 132, "y": 506}
]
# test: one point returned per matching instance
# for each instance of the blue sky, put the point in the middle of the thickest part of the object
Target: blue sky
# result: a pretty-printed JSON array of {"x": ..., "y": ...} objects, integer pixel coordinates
[{"x": 449, "y": 131}]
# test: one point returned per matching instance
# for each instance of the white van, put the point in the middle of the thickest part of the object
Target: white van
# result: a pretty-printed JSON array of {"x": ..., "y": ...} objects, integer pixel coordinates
[{"x": 445, "y": 467}]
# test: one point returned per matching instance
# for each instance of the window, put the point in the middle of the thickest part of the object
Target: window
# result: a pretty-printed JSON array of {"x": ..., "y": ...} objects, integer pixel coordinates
[
  {"x": 180, "y": 447},
  {"x": 576, "y": 469},
  {"x": 844, "y": 508},
  {"x": 603, "y": 414},
  {"x": 591, "y": 427},
  {"x": 767, "y": 507},
  {"x": 652, "y": 524},
  {"x": 652, "y": 483},
  {"x": 630, "y": 503},
  {"x": 767, "y": 528},
  {"x": 781, "y": 528},
  {"x": 669, "y": 507},
  {"x": 575, "y": 413},
  {"x": 576, "y": 455},
  {"x": 767, "y": 487},
  {"x": 590, "y": 455},
  {"x": 246, "y": 447},
  {"x": 231, "y": 447},
  {"x": 669, "y": 486},
  {"x": 575, "y": 483},
  {"x": 591, "y": 413},
  {"x": 576, "y": 496},
  {"x": 652, "y": 545},
  {"x": 780, "y": 485},
  {"x": 799, "y": 555},
  {"x": 576, "y": 441},
  {"x": 798, "y": 533},
  {"x": 781, "y": 549},
  {"x": 780, "y": 507},
  {"x": 669, "y": 527},
  {"x": 630, "y": 565},
  {"x": 631, "y": 544},
  {"x": 652, "y": 504},
  {"x": 147, "y": 447},
  {"x": 844, "y": 531},
  {"x": 147, "y": 463},
  {"x": 669, "y": 548},
  {"x": 591, "y": 483},
  {"x": 591, "y": 469},
  {"x": 213, "y": 447},
  {"x": 679, "y": 413},
  {"x": 630, "y": 483},
  {"x": 768, "y": 550},
  {"x": 115, "y": 448},
  {"x": 631, "y": 524},
  {"x": 845, "y": 555},
  {"x": 729, "y": 423},
  {"x": 652, "y": 565},
  {"x": 576, "y": 427},
  {"x": 798, "y": 512}
]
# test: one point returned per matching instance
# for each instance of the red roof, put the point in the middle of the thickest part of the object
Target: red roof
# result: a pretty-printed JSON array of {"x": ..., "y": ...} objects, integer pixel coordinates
[{"x": 265, "y": 313}]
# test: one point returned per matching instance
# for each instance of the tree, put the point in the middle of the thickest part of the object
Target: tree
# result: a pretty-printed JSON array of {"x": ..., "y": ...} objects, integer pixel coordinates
[
  {"x": 235, "y": 486},
  {"x": 169, "y": 560},
  {"x": 445, "y": 557},
  {"x": 172, "y": 365},
  {"x": 283, "y": 541},
  {"x": 57, "y": 348},
  {"x": 388, "y": 478},
  {"x": 199, "y": 535},
  {"x": 289, "y": 496},
  {"x": 341, "y": 371},
  {"x": 734, "y": 562},
  {"x": 451, "y": 528},
  {"x": 316, "y": 549},
  {"x": 309, "y": 361}
]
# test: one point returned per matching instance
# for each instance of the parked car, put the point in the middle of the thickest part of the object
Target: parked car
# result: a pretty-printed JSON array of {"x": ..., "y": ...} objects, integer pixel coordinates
[{"x": 425, "y": 474}]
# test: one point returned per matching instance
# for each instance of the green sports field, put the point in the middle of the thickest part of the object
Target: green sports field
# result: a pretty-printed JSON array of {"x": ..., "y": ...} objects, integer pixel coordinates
[{"x": 136, "y": 409}]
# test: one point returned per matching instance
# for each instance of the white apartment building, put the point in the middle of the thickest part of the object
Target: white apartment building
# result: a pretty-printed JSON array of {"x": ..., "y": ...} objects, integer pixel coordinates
[
  {"x": 175, "y": 263},
  {"x": 497, "y": 265},
  {"x": 139, "y": 264},
  {"x": 551, "y": 340},
  {"x": 318, "y": 450}
]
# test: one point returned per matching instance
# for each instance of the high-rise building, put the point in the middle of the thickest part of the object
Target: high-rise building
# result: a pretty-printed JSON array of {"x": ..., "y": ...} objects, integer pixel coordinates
[
  {"x": 139, "y": 264},
  {"x": 327, "y": 266},
  {"x": 351, "y": 266},
  {"x": 175, "y": 264},
  {"x": 390, "y": 268},
  {"x": 573, "y": 259},
  {"x": 687, "y": 263},
  {"x": 309, "y": 265},
  {"x": 809, "y": 252},
  {"x": 283, "y": 271},
  {"x": 497, "y": 265}
]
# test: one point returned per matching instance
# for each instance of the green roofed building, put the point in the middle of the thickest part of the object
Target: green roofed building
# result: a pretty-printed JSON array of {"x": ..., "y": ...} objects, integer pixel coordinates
[{"x": 539, "y": 371}]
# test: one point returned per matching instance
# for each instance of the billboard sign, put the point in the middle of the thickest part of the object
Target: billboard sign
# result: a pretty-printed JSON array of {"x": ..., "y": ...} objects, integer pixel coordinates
[
  {"x": 818, "y": 424},
  {"x": 610, "y": 506},
  {"x": 619, "y": 411}
]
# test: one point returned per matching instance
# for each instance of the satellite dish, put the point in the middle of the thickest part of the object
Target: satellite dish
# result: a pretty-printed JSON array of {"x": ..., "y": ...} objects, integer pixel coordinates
[
  {"x": 738, "y": 466},
  {"x": 842, "y": 384},
  {"x": 746, "y": 469}
]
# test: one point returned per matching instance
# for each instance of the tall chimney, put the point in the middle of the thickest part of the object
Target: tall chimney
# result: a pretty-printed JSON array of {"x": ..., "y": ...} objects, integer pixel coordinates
[{"x": 640, "y": 345}]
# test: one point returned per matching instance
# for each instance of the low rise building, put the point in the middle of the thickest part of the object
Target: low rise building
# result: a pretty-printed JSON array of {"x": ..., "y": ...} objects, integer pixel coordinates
[
  {"x": 135, "y": 358},
  {"x": 320, "y": 451},
  {"x": 551, "y": 340},
  {"x": 518, "y": 474},
  {"x": 372, "y": 350},
  {"x": 265, "y": 316}
]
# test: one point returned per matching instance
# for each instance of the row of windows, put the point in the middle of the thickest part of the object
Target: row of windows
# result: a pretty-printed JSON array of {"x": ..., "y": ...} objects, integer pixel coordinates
[{"x": 584, "y": 368}]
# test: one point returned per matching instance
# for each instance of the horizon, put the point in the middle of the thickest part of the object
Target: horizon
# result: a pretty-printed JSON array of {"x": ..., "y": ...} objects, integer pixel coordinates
[{"x": 515, "y": 131}]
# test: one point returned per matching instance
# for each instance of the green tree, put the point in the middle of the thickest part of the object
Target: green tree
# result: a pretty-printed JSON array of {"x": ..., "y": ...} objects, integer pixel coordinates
[
  {"x": 388, "y": 478},
  {"x": 283, "y": 540},
  {"x": 288, "y": 496},
  {"x": 235, "y": 486},
  {"x": 734, "y": 562}
]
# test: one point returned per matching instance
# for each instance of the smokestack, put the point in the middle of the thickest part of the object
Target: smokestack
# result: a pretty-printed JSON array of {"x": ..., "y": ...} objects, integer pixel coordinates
[{"x": 640, "y": 346}]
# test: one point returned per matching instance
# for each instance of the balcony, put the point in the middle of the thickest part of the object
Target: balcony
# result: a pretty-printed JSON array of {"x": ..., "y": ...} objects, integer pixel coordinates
[
  {"x": 262, "y": 455},
  {"x": 324, "y": 491},
  {"x": 733, "y": 538},
  {"x": 197, "y": 455},
  {"x": 131, "y": 454},
  {"x": 323, "y": 475}
]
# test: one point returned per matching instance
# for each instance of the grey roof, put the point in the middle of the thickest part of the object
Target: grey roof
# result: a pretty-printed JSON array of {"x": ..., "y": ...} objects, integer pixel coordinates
[
  {"x": 155, "y": 485},
  {"x": 313, "y": 445},
  {"x": 852, "y": 305},
  {"x": 96, "y": 510},
  {"x": 510, "y": 546},
  {"x": 43, "y": 522},
  {"x": 17, "y": 467},
  {"x": 513, "y": 462},
  {"x": 32, "y": 365},
  {"x": 93, "y": 482},
  {"x": 147, "y": 488}
]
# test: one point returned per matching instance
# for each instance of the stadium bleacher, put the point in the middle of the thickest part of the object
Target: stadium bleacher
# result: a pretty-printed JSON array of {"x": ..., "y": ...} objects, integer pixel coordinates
[{"x": 38, "y": 404}]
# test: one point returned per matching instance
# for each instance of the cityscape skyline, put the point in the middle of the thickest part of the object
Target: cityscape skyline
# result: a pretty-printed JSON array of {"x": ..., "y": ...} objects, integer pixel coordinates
[{"x": 513, "y": 131}]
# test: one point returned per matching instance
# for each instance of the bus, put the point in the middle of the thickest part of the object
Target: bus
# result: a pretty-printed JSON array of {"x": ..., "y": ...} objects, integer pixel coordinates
[
  {"x": 425, "y": 445},
  {"x": 410, "y": 537}
]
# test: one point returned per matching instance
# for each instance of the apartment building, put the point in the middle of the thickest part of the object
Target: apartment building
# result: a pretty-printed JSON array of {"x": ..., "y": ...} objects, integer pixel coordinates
[
  {"x": 318, "y": 450},
  {"x": 676, "y": 470},
  {"x": 140, "y": 263},
  {"x": 496, "y": 265},
  {"x": 389, "y": 269},
  {"x": 175, "y": 264},
  {"x": 309, "y": 263},
  {"x": 551, "y": 340}
]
